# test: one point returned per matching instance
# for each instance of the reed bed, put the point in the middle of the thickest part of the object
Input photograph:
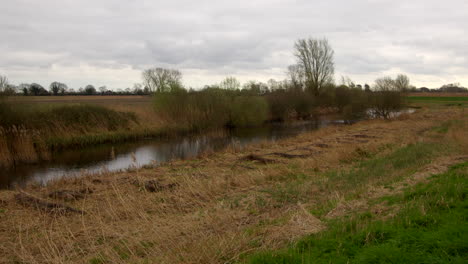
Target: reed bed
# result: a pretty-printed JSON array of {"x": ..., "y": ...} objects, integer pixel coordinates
[{"x": 28, "y": 134}]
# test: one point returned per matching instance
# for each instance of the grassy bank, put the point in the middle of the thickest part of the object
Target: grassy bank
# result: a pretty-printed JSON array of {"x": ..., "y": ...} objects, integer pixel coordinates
[
  {"x": 223, "y": 207},
  {"x": 29, "y": 132},
  {"x": 429, "y": 226}
]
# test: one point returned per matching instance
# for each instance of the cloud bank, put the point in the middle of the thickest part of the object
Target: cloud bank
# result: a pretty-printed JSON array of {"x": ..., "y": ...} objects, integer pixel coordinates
[{"x": 109, "y": 42}]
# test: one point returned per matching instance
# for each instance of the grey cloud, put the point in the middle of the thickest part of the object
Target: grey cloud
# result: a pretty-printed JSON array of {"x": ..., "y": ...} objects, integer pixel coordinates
[{"x": 369, "y": 37}]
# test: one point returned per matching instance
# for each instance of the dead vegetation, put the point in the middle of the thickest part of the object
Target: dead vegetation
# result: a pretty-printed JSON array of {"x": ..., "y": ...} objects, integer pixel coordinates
[
  {"x": 212, "y": 209},
  {"x": 70, "y": 195},
  {"x": 26, "y": 199}
]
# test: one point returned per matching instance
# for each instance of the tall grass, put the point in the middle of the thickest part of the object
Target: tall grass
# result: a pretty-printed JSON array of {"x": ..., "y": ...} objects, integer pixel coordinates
[
  {"x": 70, "y": 117},
  {"x": 27, "y": 134}
]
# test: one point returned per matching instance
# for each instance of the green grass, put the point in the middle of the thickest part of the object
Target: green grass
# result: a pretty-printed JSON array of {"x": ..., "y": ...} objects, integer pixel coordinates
[
  {"x": 445, "y": 126},
  {"x": 98, "y": 260},
  {"x": 429, "y": 101},
  {"x": 431, "y": 227},
  {"x": 385, "y": 169},
  {"x": 439, "y": 99}
]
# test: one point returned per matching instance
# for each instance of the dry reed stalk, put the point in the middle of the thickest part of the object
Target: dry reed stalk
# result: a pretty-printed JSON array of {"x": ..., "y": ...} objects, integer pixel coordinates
[
  {"x": 6, "y": 158},
  {"x": 23, "y": 146}
]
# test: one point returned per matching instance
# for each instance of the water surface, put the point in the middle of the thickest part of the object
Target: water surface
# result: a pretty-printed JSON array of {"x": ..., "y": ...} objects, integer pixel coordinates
[{"x": 121, "y": 156}]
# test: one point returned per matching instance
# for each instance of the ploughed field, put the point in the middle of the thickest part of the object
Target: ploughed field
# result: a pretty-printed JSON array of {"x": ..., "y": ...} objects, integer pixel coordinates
[{"x": 228, "y": 206}]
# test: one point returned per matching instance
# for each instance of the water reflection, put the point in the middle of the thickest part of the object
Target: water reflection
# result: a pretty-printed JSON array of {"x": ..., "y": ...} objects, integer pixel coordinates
[{"x": 122, "y": 156}]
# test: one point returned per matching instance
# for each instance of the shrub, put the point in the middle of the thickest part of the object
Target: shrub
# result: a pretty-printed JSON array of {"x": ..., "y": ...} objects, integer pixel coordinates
[
  {"x": 197, "y": 110},
  {"x": 384, "y": 103},
  {"x": 211, "y": 107},
  {"x": 284, "y": 104},
  {"x": 248, "y": 111},
  {"x": 351, "y": 102}
]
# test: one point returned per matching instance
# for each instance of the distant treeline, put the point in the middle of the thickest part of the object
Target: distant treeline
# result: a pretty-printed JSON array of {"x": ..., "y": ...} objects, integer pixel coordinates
[
  {"x": 58, "y": 89},
  {"x": 446, "y": 88}
]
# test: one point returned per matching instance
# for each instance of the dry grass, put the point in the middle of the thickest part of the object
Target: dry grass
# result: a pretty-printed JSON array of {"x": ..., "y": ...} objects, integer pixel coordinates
[
  {"x": 142, "y": 106},
  {"x": 21, "y": 145},
  {"x": 18, "y": 145},
  {"x": 5, "y": 155},
  {"x": 221, "y": 206}
]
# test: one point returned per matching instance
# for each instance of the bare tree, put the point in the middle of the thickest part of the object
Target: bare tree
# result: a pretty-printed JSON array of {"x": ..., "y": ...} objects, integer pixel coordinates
[
  {"x": 3, "y": 83},
  {"x": 137, "y": 86},
  {"x": 162, "y": 80},
  {"x": 230, "y": 83},
  {"x": 138, "y": 89},
  {"x": 346, "y": 81},
  {"x": 296, "y": 76},
  {"x": 274, "y": 85},
  {"x": 58, "y": 87},
  {"x": 102, "y": 89},
  {"x": 315, "y": 60},
  {"x": 386, "y": 98},
  {"x": 385, "y": 84},
  {"x": 255, "y": 87},
  {"x": 402, "y": 83}
]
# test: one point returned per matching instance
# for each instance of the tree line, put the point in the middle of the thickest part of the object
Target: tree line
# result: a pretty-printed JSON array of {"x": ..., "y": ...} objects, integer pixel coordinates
[
  {"x": 60, "y": 89},
  {"x": 309, "y": 89}
]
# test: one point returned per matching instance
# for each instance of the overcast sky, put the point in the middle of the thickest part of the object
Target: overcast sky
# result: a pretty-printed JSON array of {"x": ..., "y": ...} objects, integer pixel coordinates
[{"x": 109, "y": 42}]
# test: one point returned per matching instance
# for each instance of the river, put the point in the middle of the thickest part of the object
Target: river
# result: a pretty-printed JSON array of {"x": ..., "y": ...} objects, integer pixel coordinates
[{"x": 122, "y": 156}]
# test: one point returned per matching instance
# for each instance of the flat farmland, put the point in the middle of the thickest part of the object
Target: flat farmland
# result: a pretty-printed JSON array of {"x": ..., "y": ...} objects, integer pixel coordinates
[
  {"x": 92, "y": 99},
  {"x": 140, "y": 105},
  {"x": 434, "y": 94},
  {"x": 437, "y": 99}
]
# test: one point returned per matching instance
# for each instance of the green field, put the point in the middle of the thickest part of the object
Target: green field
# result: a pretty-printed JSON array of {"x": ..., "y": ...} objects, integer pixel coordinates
[{"x": 438, "y": 99}]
